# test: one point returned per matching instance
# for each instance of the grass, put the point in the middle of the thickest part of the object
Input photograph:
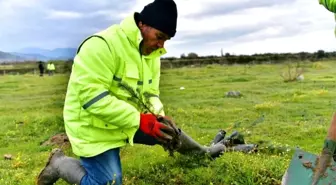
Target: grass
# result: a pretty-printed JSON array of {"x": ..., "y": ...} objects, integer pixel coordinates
[{"x": 283, "y": 114}]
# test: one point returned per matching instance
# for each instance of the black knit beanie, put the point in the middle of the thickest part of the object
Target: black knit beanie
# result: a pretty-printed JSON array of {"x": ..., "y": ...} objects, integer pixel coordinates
[{"x": 162, "y": 15}]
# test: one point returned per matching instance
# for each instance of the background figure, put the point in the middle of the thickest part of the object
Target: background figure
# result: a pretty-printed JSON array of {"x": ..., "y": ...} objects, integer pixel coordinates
[
  {"x": 51, "y": 68},
  {"x": 41, "y": 68}
]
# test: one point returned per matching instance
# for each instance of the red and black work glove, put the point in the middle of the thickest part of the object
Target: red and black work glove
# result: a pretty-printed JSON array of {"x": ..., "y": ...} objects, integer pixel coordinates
[{"x": 151, "y": 126}]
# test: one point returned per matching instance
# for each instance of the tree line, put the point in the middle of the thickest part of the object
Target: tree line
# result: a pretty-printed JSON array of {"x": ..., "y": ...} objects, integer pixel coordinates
[{"x": 228, "y": 58}]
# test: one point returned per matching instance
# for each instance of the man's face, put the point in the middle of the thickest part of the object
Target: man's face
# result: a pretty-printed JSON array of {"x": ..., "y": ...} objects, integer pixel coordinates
[{"x": 153, "y": 39}]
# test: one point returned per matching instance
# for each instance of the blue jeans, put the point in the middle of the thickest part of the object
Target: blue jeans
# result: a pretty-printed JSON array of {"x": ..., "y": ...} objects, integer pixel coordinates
[{"x": 105, "y": 168}]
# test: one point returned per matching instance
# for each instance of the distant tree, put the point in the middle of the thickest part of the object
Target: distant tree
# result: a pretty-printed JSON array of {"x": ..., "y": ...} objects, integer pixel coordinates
[
  {"x": 170, "y": 58},
  {"x": 183, "y": 55},
  {"x": 192, "y": 55},
  {"x": 303, "y": 55},
  {"x": 320, "y": 54}
]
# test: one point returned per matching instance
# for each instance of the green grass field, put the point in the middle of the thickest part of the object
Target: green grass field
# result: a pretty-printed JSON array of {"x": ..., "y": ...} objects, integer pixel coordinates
[{"x": 283, "y": 114}]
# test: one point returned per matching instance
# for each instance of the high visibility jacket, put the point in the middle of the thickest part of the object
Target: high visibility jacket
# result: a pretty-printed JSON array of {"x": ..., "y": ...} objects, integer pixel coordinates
[
  {"x": 51, "y": 67},
  {"x": 329, "y": 5},
  {"x": 98, "y": 114}
]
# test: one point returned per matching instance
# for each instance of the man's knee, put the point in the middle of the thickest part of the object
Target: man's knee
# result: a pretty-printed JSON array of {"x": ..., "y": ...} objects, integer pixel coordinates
[{"x": 103, "y": 169}]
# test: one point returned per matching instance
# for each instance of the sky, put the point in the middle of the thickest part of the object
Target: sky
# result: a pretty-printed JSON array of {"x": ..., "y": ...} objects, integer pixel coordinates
[{"x": 204, "y": 26}]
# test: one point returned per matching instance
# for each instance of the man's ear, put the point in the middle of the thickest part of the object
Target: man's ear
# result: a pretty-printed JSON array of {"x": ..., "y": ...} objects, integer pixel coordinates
[{"x": 141, "y": 25}]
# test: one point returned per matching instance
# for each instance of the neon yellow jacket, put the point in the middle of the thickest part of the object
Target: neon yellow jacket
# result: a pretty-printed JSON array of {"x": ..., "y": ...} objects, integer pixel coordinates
[
  {"x": 51, "y": 67},
  {"x": 329, "y": 5},
  {"x": 98, "y": 115}
]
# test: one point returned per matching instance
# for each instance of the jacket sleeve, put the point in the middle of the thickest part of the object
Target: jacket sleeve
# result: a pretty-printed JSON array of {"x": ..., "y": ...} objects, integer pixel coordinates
[
  {"x": 155, "y": 100},
  {"x": 91, "y": 79},
  {"x": 329, "y": 5}
]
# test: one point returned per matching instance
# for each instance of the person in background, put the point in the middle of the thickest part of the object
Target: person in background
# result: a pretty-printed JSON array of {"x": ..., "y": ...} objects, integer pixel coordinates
[
  {"x": 51, "y": 68},
  {"x": 41, "y": 67}
]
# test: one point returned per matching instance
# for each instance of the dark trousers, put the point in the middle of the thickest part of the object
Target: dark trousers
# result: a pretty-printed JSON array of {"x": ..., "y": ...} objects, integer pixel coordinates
[{"x": 41, "y": 72}]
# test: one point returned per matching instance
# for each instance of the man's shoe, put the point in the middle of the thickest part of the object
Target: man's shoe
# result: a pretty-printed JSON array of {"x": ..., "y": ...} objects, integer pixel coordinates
[{"x": 49, "y": 174}]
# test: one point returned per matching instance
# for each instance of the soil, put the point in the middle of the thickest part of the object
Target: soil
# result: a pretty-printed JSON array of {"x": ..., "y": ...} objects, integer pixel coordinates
[{"x": 60, "y": 140}]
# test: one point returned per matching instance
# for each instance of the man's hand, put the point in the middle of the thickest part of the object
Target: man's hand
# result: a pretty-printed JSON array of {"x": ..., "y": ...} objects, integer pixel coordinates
[
  {"x": 151, "y": 126},
  {"x": 168, "y": 121}
]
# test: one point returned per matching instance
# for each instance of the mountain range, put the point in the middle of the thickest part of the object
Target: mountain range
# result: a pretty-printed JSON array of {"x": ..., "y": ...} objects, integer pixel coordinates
[{"x": 38, "y": 54}]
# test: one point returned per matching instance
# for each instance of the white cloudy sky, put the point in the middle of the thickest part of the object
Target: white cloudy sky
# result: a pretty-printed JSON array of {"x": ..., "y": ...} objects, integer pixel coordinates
[{"x": 204, "y": 26}]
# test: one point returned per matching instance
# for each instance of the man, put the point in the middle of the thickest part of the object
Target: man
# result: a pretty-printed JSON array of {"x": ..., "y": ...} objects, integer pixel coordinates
[
  {"x": 41, "y": 68},
  {"x": 99, "y": 116},
  {"x": 51, "y": 68}
]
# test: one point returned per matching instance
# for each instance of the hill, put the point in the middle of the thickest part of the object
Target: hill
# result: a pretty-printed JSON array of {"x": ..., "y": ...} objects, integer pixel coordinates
[
  {"x": 38, "y": 54},
  {"x": 9, "y": 57},
  {"x": 55, "y": 54}
]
